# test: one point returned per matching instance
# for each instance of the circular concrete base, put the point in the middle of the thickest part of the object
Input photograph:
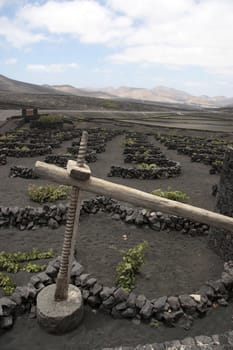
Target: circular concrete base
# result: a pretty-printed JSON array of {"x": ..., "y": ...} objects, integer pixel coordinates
[{"x": 59, "y": 316}]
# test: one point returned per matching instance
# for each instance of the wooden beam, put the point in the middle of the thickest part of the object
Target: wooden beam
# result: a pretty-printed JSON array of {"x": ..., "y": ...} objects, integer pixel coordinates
[{"x": 134, "y": 196}]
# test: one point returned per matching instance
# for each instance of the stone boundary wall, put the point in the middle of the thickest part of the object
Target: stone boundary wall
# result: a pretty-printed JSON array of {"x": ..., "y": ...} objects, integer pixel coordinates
[
  {"x": 61, "y": 159},
  {"x": 29, "y": 153},
  {"x": 158, "y": 159},
  {"x": 199, "y": 150},
  {"x": 30, "y": 145},
  {"x": 23, "y": 172},
  {"x": 53, "y": 216},
  {"x": 215, "y": 342},
  {"x": 221, "y": 240},
  {"x": 171, "y": 310},
  {"x": 145, "y": 147},
  {"x": 172, "y": 169}
]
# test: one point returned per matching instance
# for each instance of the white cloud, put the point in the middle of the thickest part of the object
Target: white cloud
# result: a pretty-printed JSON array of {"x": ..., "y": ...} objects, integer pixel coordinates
[
  {"x": 9, "y": 61},
  {"x": 169, "y": 32},
  {"x": 90, "y": 21},
  {"x": 16, "y": 34},
  {"x": 179, "y": 32},
  {"x": 52, "y": 68}
]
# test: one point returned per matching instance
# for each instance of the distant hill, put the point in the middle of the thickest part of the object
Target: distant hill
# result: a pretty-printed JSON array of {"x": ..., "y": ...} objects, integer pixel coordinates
[
  {"x": 14, "y": 86},
  {"x": 158, "y": 94},
  {"x": 82, "y": 91},
  {"x": 168, "y": 95}
]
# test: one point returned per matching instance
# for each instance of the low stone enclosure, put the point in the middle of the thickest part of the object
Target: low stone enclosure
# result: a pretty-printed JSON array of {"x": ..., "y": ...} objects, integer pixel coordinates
[
  {"x": 171, "y": 170},
  {"x": 62, "y": 159},
  {"x": 208, "y": 151},
  {"x": 23, "y": 152},
  {"x": 23, "y": 172},
  {"x": 31, "y": 143},
  {"x": 55, "y": 215},
  {"x": 119, "y": 303},
  {"x": 115, "y": 301},
  {"x": 150, "y": 162}
]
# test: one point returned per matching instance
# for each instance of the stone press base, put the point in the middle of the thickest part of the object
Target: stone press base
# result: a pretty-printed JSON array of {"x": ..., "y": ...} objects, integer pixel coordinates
[{"x": 59, "y": 317}]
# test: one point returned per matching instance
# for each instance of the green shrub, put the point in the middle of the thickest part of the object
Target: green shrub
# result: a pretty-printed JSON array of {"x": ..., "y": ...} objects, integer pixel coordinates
[
  {"x": 60, "y": 135},
  {"x": 34, "y": 267},
  {"x": 129, "y": 141},
  {"x": 9, "y": 137},
  {"x": 50, "y": 119},
  {"x": 218, "y": 163},
  {"x": 7, "y": 284},
  {"x": 13, "y": 263},
  {"x": 219, "y": 142},
  {"x": 171, "y": 194},
  {"x": 147, "y": 166},
  {"x": 48, "y": 193},
  {"x": 146, "y": 153},
  {"x": 23, "y": 148},
  {"x": 131, "y": 262}
]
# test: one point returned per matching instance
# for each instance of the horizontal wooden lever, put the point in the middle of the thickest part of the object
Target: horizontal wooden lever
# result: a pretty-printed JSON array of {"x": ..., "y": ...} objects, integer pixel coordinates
[{"x": 134, "y": 196}]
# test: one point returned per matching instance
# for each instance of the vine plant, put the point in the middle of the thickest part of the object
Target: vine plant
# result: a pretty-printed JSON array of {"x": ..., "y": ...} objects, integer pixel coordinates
[
  {"x": 129, "y": 266},
  {"x": 15, "y": 262}
]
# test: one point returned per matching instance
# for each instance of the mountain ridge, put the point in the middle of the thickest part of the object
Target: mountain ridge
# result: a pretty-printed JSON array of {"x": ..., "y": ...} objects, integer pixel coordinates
[{"x": 157, "y": 94}]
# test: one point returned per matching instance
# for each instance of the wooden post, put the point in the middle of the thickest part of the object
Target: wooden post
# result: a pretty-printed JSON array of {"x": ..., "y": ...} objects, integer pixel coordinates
[
  {"x": 63, "y": 277},
  {"x": 134, "y": 196}
]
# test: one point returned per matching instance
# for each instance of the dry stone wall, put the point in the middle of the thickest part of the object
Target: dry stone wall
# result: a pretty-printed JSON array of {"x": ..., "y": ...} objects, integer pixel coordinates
[{"x": 221, "y": 240}]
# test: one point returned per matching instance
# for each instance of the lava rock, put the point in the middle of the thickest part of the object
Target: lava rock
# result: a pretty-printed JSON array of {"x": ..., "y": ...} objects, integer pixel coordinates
[
  {"x": 140, "y": 301},
  {"x": 120, "y": 295},
  {"x": 147, "y": 310},
  {"x": 53, "y": 224},
  {"x": 159, "y": 304},
  {"x": 188, "y": 304}
]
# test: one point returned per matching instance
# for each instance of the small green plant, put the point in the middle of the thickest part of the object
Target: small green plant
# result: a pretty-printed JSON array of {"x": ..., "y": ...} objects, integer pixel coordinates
[
  {"x": 129, "y": 141},
  {"x": 146, "y": 153},
  {"x": 48, "y": 193},
  {"x": 60, "y": 135},
  {"x": 14, "y": 262},
  {"x": 147, "y": 166},
  {"x": 34, "y": 267},
  {"x": 130, "y": 264},
  {"x": 22, "y": 149},
  {"x": 50, "y": 119},
  {"x": 8, "y": 264},
  {"x": 9, "y": 137},
  {"x": 219, "y": 142},
  {"x": 7, "y": 284},
  {"x": 11, "y": 262},
  {"x": 154, "y": 324},
  {"x": 171, "y": 194},
  {"x": 218, "y": 163}
]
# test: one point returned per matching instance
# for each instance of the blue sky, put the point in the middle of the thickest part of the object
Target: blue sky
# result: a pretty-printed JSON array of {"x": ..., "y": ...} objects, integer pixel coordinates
[{"x": 183, "y": 44}]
